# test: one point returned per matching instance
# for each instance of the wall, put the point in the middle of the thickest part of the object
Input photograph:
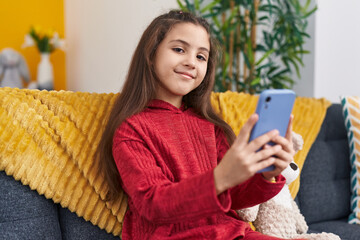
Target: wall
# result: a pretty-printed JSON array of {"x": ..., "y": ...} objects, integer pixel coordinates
[
  {"x": 102, "y": 36},
  {"x": 304, "y": 86},
  {"x": 337, "y": 62},
  {"x": 332, "y": 68},
  {"x": 16, "y": 17}
]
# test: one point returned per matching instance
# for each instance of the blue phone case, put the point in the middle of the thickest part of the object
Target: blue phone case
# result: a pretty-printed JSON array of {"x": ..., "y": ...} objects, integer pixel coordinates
[{"x": 274, "y": 109}]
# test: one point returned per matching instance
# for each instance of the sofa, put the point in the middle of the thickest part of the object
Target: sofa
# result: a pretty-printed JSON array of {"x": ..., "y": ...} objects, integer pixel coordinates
[
  {"x": 323, "y": 197},
  {"x": 324, "y": 194}
]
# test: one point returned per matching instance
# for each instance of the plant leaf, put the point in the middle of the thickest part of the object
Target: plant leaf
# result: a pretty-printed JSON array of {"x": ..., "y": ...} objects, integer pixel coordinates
[
  {"x": 247, "y": 62},
  {"x": 209, "y": 6},
  {"x": 266, "y": 55},
  {"x": 196, "y": 4},
  {"x": 255, "y": 81},
  {"x": 250, "y": 51},
  {"x": 182, "y": 7},
  {"x": 309, "y": 13}
]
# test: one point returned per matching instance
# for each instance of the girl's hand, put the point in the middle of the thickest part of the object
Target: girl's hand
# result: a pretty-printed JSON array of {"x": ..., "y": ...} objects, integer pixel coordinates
[
  {"x": 285, "y": 156},
  {"x": 243, "y": 159}
]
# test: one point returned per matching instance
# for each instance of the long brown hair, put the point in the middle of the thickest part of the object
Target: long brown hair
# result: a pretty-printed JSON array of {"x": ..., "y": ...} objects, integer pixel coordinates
[{"x": 140, "y": 87}]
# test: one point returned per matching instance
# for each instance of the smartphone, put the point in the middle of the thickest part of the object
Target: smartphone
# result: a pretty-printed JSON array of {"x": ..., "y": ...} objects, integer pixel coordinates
[{"x": 274, "y": 108}]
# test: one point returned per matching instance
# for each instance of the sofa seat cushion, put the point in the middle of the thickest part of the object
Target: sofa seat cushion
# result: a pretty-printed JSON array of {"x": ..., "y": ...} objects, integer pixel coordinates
[
  {"x": 24, "y": 214},
  {"x": 325, "y": 179},
  {"x": 340, "y": 227}
]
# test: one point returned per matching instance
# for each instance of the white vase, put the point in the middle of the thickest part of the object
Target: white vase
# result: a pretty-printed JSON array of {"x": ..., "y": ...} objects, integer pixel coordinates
[{"x": 45, "y": 76}]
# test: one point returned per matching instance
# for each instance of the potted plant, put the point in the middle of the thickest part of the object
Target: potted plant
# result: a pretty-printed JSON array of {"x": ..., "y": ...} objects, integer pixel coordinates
[
  {"x": 262, "y": 40},
  {"x": 46, "y": 42}
]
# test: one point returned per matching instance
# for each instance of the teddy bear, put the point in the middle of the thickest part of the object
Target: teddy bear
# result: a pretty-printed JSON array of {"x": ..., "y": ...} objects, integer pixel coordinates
[
  {"x": 13, "y": 69},
  {"x": 280, "y": 216}
]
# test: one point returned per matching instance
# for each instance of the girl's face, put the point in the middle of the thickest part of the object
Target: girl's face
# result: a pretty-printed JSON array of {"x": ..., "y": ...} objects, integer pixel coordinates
[{"x": 181, "y": 61}]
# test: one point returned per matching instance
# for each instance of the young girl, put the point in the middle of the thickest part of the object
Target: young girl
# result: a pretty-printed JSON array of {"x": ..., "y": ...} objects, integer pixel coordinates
[{"x": 179, "y": 163}]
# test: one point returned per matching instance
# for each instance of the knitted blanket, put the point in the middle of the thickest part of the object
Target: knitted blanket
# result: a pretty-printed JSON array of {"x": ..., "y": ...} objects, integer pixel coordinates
[{"x": 48, "y": 141}]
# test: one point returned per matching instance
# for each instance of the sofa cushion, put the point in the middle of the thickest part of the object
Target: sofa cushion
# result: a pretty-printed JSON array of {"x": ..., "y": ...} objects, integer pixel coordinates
[
  {"x": 24, "y": 214},
  {"x": 351, "y": 111},
  {"x": 324, "y": 193}
]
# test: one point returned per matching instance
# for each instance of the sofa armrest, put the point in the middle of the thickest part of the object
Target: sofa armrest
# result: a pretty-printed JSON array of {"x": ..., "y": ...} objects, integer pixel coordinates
[{"x": 24, "y": 214}]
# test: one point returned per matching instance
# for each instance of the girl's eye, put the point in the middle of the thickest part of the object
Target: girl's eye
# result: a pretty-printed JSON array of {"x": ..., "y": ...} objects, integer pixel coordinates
[
  {"x": 179, "y": 50},
  {"x": 202, "y": 58}
]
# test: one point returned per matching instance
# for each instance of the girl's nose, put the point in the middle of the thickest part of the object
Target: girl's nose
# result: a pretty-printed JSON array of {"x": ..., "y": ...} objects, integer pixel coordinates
[{"x": 190, "y": 62}]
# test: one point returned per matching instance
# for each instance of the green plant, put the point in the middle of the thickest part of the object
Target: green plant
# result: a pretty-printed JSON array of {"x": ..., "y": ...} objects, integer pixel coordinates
[
  {"x": 262, "y": 40},
  {"x": 46, "y": 41}
]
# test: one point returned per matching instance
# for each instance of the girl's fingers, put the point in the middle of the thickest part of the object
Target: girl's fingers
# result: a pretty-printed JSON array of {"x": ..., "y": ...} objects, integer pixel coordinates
[
  {"x": 243, "y": 137},
  {"x": 284, "y": 156},
  {"x": 281, "y": 159},
  {"x": 289, "y": 129},
  {"x": 285, "y": 143},
  {"x": 261, "y": 141},
  {"x": 245, "y": 131},
  {"x": 280, "y": 165},
  {"x": 266, "y": 152},
  {"x": 264, "y": 164}
]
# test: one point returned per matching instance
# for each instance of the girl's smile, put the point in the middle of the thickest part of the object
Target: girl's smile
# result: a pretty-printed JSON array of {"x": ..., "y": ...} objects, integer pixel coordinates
[
  {"x": 181, "y": 62},
  {"x": 186, "y": 74}
]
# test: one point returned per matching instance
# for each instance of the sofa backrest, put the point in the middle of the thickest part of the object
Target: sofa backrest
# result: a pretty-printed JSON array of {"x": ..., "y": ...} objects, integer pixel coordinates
[{"x": 324, "y": 192}]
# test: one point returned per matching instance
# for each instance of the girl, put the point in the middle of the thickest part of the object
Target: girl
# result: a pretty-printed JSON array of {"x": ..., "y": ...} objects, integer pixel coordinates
[{"x": 168, "y": 150}]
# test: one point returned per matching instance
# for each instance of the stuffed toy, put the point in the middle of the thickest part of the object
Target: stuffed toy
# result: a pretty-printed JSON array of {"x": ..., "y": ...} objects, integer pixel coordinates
[
  {"x": 280, "y": 216},
  {"x": 13, "y": 69}
]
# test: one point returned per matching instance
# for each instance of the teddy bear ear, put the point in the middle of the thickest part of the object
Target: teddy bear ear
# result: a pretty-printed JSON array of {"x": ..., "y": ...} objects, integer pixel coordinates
[{"x": 298, "y": 141}]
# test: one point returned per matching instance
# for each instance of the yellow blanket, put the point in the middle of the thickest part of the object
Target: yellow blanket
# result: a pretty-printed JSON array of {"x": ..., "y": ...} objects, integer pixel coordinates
[{"x": 48, "y": 140}]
